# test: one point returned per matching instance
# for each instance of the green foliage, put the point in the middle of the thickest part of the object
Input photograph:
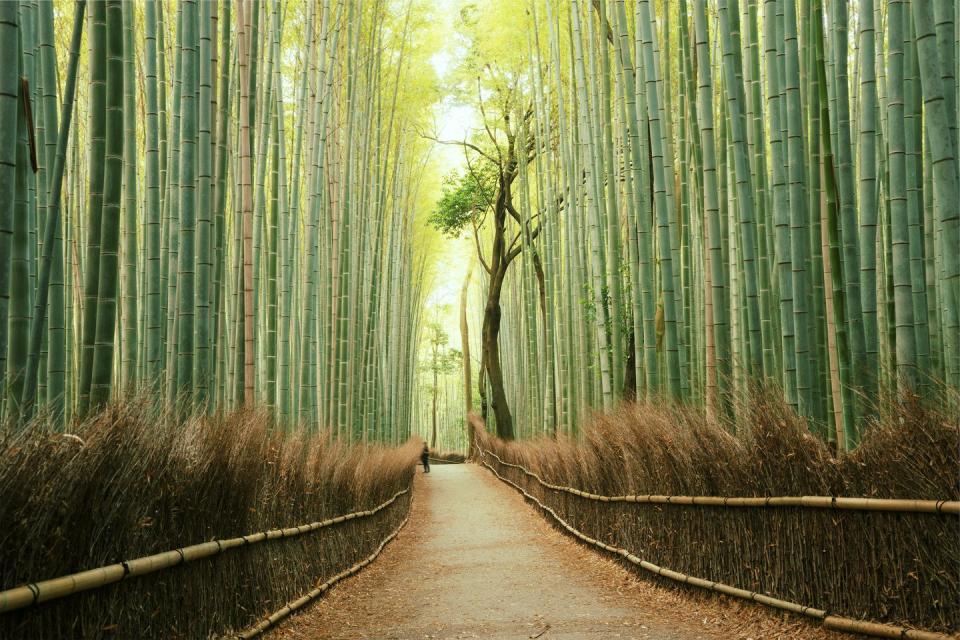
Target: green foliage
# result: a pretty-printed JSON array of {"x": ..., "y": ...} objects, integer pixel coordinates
[
  {"x": 441, "y": 359},
  {"x": 464, "y": 199},
  {"x": 493, "y": 37}
]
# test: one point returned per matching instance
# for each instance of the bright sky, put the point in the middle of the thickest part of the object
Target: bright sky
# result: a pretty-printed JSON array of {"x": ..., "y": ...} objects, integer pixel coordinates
[{"x": 453, "y": 122}]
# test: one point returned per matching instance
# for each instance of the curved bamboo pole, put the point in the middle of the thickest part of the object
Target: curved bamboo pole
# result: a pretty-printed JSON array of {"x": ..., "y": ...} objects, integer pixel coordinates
[
  {"x": 949, "y": 507},
  {"x": 838, "y": 623},
  {"x": 37, "y": 592}
]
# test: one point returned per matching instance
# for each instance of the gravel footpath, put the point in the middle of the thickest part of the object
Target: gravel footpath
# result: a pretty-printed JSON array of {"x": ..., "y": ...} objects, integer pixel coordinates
[{"x": 475, "y": 561}]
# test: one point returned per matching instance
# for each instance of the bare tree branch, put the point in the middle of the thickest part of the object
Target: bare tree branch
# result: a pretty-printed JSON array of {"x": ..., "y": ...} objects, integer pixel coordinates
[
  {"x": 486, "y": 126},
  {"x": 476, "y": 239},
  {"x": 463, "y": 143},
  {"x": 514, "y": 251}
]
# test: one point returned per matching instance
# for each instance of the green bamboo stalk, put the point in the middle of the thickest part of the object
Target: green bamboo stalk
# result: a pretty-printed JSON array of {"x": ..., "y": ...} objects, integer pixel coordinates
[
  {"x": 153, "y": 318},
  {"x": 19, "y": 318},
  {"x": 798, "y": 224},
  {"x": 172, "y": 217},
  {"x": 186, "y": 268},
  {"x": 51, "y": 231},
  {"x": 847, "y": 196},
  {"x": 56, "y": 338},
  {"x": 97, "y": 161},
  {"x": 166, "y": 119},
  {"x": 846, "y": 430},
  {"x": 203, "y": 303},
  {"x": 913, "y": 142},
  {"x": 867, "y": 195},
  {"x": 748, "y": 234},
  {"x": 44, "y": 149},
  {"x": 945, "y": 190},
  {"x": 662, "y": 207},
  {"x": 29, "y": 75},
  {"x": 246, "y": 199},
  {"x": 611, "y": 213},
  {"x": 591, "y": 199},
  {"x": 102, "y": 375},
  {"x": 9, "y": 90},
  {"x": 226, "y": 90},
  {"x": 711, "y": 207},
  {"x": 129, "y": 337},
  {"x": 636, "y": 97},
  {"x": 903, "y": 292},
  {"x": 769, "y": 329}
]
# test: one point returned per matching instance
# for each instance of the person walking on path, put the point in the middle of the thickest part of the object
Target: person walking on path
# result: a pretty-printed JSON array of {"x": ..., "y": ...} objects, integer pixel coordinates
[{"x": 425, "y": 458}]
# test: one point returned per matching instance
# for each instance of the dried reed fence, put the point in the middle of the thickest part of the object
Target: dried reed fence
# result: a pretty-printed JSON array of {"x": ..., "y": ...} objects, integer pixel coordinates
[
  {"x": 902, "y": 568},
  {"x": 292, "y": 607},
  {"x": 133, "y": 481},
  {"x": 447, "y": 457},
  {"x": 890, "y": 505}
]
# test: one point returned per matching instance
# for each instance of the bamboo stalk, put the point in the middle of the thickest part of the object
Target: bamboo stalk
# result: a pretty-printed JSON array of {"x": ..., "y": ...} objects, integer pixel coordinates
[
  {"x": 53, "y": 215},
  {"x": 879, "y": 630}
]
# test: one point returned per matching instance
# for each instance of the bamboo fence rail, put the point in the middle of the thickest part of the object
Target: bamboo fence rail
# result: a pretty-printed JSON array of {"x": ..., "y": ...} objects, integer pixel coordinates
[
  {"x": 313, "y": 594},
  {"x": 830, "y": 621},
  {"x": 46, "y": 590},
  {"x": 950, "y": 507}
]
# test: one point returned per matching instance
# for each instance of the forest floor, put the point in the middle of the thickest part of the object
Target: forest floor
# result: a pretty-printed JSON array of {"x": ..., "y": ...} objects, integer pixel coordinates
[{"x": 476, "y": 561}]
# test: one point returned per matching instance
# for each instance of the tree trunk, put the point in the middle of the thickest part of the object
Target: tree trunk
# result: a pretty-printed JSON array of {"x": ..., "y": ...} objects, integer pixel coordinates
[
  {"x": 433, "y": 434},
  {"x": 551, "y": 394},
  {"x": 630, "y": 373},
  {"x": 465, "y": 346},
  {"x": 491, "y": 354}
]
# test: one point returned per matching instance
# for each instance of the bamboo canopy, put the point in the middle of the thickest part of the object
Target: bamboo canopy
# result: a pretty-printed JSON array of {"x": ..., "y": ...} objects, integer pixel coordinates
[{"x": 204, "y": 236}]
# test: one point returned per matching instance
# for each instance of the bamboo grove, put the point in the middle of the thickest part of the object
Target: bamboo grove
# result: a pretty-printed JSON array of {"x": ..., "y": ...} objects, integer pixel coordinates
[
  {"x": 216, "y": 202},
  {"x": 228, "y": 221},
  {"x": 721, "y": 196}
]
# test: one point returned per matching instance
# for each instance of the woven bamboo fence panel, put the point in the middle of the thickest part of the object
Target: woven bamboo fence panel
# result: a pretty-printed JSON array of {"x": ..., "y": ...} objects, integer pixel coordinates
[
  {"x": 54, "y": 588},
  {"x": 830, "y": 621}
]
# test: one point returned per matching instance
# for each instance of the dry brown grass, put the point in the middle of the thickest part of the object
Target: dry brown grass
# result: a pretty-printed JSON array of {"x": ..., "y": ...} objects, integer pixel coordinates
[
  {"x": 892, "y": 567},
  {"x": 447, "y": 456},
  {"x": 133, "y": 481}
]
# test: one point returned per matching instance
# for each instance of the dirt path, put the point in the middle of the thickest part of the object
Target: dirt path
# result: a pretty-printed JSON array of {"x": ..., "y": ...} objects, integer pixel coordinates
[{"x": 476, "y": 562}]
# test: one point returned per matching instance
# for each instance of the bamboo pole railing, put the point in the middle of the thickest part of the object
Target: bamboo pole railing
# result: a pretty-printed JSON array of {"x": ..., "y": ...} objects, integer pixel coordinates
[
  {"x": 814, "y": 502},
  {"x": 313, "y": 594},
  {"x": 837, "y": 623},
  {"x": 45, "y": 590}
]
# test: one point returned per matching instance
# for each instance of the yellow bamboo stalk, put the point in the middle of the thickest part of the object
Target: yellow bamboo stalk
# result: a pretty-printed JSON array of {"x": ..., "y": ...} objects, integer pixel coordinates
[
  {"x": 838, "y": 623},
  {"x": 46, "y": 590},
  {"x": 879, "y": 630},
  {"x": 896, "y": 505}
]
